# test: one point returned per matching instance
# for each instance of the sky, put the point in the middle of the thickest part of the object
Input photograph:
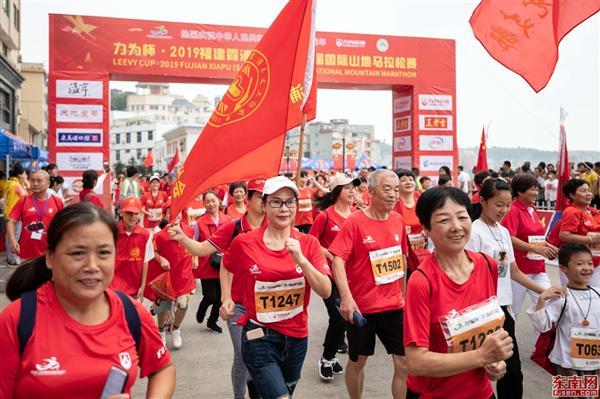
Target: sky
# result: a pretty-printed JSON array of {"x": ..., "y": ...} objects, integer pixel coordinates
[{"x": 487, "y": 93}]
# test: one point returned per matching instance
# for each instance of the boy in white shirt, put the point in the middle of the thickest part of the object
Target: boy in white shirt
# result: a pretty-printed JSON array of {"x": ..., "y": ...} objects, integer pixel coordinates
[
  {"x": 579, "y": 304},
  {"x": 550, "y": 189}
]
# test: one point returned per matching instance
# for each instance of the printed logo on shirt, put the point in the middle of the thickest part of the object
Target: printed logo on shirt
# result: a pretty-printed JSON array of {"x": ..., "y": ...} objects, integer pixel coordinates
[
  {"x": 125, "y": 360},
  {"x": 298, "y": 269},
  {"x": 396, "y": 237},
  {"x": 587, "y": 223},
  {"x": 368, "y": 240},
  {"x": 134, "y": 254},
  {"x": 49, "y": 366},
  {"x": 51, "y": 211},
  {"x": 254, "y": 269},
  {"x": 161, "y": 352},
  {"x": 335, "y": 227}
]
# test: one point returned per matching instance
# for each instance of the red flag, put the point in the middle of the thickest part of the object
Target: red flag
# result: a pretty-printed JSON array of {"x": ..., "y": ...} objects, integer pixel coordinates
[
  {"x": 149, "y": 161},
  {"x": 482, "y": 163},
  {"x": 174, "y": 161},
  {"x": 523, "y": 35},
  {"x": 563, "y": 168},
  {"x": 245, "y": 134}
]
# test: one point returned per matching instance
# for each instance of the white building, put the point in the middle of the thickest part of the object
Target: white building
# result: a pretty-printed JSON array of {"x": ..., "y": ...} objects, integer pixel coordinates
[{"x": 183, "y": 137}]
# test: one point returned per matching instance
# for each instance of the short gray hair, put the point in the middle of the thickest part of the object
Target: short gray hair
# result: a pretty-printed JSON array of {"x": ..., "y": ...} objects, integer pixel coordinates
[
  {"x": 41, "y": 172},
  {"x": 375, "y": 177}
]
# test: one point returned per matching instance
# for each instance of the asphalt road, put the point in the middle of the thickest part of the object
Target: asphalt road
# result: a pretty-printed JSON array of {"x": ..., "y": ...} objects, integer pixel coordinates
[{"x": 204, "y": 361}]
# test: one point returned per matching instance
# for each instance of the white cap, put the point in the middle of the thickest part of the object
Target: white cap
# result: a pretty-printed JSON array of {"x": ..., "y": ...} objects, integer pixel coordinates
[
  {"x": 340, "y": 179},
  {"x": 154, "y": 177},
  {"x": 278, "y": 182}
]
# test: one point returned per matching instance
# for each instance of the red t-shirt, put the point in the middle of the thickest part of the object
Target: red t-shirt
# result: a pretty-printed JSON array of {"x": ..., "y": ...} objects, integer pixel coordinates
[
  {"x": 155, "y": 205},
  {"x": 410, "y": 214},
  {"x": 326, "y": 227},
  {"x": 93, "y": 198},
  {"x": 232, "y": 212},
  {"x": 475, "y": 199},
  {"x": 222, "y": 239},
  {"x": 275, "y": 292},
  {"x": 66, "y": 359},
  {"x": 179, "y": 258},
  {"x": 522, "y": 224},
  {"x": 577, "y": 221},
  {"x": 366, "y": 199},
  {"x": 131, "y": 252},
  {"x": 361, "y": 239},
  {"x": 304, "y": 211},
  {"x": 31, "y": 213},
  {"x": 429, "y": 298},
  {"x": 206, "y": 228}
]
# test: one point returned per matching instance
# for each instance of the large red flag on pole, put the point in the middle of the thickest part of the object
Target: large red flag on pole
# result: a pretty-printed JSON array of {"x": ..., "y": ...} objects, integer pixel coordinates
[
  {"x": 524, "y": 35},
  {"x": 174, "y": 161},
  {"x": 482, "y": 163},
  {"x": 563, "y": 167},
  {"x": 149, "y": 161},
  {"x": 245, "y": 134}
]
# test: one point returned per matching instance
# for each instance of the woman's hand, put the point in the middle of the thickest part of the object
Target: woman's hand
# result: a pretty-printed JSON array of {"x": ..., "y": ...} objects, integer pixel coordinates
[
  {"x": 164, "y": 263},
  {"x": 496, "y": 347},
  {"x": 293, "y": 247},
  {"x": 552, "y": 292},
  {"x": 495, "y": 370},
  {"x": 175, "y": 232},
  {"x": 227, "y": 308},
  {"x": 548, "y": 250}
]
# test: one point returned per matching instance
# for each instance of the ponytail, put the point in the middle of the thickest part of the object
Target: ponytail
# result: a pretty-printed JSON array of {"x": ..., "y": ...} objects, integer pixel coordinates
[{"x": 28, "y": 277}]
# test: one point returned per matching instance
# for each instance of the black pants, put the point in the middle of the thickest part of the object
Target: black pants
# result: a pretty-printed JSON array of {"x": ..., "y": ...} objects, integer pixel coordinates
[
  {"x": 511, "y": 385},
  {"x": 211, "y": 295},
  {"x": 413, "y": 395},
  {"x": 337, "y": 326}
]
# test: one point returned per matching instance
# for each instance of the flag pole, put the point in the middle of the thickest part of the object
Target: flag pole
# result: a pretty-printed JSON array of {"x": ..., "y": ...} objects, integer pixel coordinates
[{"x": 300, "y": 149}]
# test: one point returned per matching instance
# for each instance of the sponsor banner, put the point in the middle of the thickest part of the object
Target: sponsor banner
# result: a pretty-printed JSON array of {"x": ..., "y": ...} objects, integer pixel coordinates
[
  {"x": 432, "y": 163},
  {"x": 402, "y": 143},
  {"x": 78, "y": 137},
  {"x": 435, "y": 143},
  {"x": 435, "y": 102},
  {"x": 79, "y": 113},
  {"x": 402, "y": 163},
  {"x": 402, "y": 104},
  {"x": 435, "y": 122},
  {"x": 403, "y": 124},
  {"x": 91, "y": 89},
  {"x": 79, "y": 161}
]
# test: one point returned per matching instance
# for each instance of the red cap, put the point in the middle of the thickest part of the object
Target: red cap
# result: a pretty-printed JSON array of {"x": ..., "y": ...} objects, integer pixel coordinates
[
  {"x": 256, "y": 185},
  {"x": 132, "y": 205}
]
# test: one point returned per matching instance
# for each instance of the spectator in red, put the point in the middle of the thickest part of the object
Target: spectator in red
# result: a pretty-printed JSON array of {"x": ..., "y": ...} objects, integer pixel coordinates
[
  {"x": 153, "y": 204},
  {"x": 90, "y": 178}
]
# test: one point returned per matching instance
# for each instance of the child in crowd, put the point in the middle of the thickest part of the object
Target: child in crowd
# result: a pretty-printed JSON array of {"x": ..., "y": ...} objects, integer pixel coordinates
[{"x": 576, "y": 311}]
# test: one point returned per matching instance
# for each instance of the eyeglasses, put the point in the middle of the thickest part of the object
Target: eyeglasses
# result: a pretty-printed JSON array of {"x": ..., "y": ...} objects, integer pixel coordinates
[
  {"x": 277, "y": 203},
  {"x": 34, "y": 227}
]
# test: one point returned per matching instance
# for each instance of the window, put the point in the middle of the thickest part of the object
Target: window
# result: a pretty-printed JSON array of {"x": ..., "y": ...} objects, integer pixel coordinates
[
  {"x": 16, "y": 18},
  {"x": 5, "y": 6},
  {"x": 118, "y": 155},
  {"x": 139, "y": 137},
  {"x": 117, "y": 139},
  {"x": 5, "y": 49},
  {"x": 128, "y": 137},
  {"x": 127, "y": 151},
  {"x": 138, "y": 153},
  {"x": 150, "y": 135}
]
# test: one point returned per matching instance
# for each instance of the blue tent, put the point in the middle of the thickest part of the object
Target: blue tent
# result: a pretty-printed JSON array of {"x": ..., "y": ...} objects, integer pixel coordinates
[{"x": 13, "y": 147}]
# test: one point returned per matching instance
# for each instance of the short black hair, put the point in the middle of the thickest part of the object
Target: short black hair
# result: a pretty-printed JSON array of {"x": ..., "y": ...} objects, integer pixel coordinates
[
  {"x": 303, "y": 173},
  {"x": 444, "y": 179},
  {"x": 523, "y": 182},
  {"x": 490, "y": 187},
  {"x": 435, "y": 198},
  {"x": 236, "y": 185},
  {"x": 460, "y": 167},
  {"x": 571, "y": 186},
  {"x": 423, "y": 178},
  {"x": 446, "y": 169},
  {"x": 89, "y": 177},
  {"x": 597, "y": 164},
  {"x": 480, "y": 177},
  {"x": 405, "y": 172},
  {"x": 131, "y": 171},
  {"x": 507, "y": 163},
  {"x": 568, "y": 250}
]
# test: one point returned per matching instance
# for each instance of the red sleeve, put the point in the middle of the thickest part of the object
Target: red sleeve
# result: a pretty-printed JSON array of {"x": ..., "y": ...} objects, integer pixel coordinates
[
  {"x": 570, "y": 220},
  {"x": 318, "y": 226},
  {"x": 9, "y": 343},
  {"x": 343, "y": 243},
  {"x": 315, "y": 256},
  {"x": 154, "y": 356},
  {"x": 417, "y": 314},
  {"x": 97, "y": 201},
  {"x": 60, "y": 204},
  {"x": 511, "y": 221},
  {"x": 221, "y": 239},
  {"x": 231, "y": 258},
  {"x": 15, "y": 212}
]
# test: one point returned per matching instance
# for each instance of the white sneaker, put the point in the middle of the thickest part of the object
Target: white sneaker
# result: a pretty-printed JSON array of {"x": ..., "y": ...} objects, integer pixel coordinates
[
  {"x": 163, "y": 338},
  {"x": 177, "y": 341}
]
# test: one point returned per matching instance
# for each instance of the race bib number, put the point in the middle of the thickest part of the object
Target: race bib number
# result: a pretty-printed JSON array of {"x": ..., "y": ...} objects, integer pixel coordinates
[
  {"x": 595, "y": 247},
  {"x": 304, "y": 205},
  {"x": 466, "y": 330},
  {"x": 155, "y": 214},
  {"x": 417, "y": 242},
  {"x": 538, "y": 241},
  {"x": 585, "y": 347},
  {"x": 387, "y": 264},
  {"x": 279, "y": 300}
]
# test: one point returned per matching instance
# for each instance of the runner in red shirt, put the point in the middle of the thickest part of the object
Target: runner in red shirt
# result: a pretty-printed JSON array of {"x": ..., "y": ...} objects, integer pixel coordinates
[
  {"x": 442, "y": 362},
  {"x": 336, "y": 206},
  {"x": 304, "y": 216},
  {"x": 80, "y": 330},
  {"x": 153, "y": 203},
  {"x": 369, "y": 266},
  {"x": 527, "y": 235},
  {"x": 208, "y": 266},
  {"x": 278, "y": 267},
  {"x": 362, "y": 199},
  {"x": 134, "y": 250},
  {"x": 90, "y": 179},
  {"x": 238, "y": 199},
  {"x": 35, "y": 211}
]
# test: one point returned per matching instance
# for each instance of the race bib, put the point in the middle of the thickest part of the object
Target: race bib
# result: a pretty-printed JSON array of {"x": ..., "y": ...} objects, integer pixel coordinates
[
  {"x": 387, "y": 264},
  {"x": 595, "y": 247},
  {"x": 466, "y": 330},
  {"x": 417, "y": 242},
  {"x": 155, "y": 214},
  {"x": 538, "y": 241},
  {"x": 279, "y": 300},
  {"x": 585, "y": 347},
  {"x": 304, "y": 205}
]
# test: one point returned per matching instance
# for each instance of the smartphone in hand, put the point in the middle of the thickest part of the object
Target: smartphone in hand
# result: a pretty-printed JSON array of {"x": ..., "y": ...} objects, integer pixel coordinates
[{"x": 115, "y": 382}]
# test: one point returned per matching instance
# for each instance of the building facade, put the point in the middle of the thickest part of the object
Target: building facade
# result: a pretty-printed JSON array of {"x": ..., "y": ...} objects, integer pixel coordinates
[
  {"x": 33, "y": 125},
  {"x": 10, "y": 59}
]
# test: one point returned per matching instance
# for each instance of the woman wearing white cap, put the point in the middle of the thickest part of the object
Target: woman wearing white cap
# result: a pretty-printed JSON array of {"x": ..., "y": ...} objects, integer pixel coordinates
[
  {"x": 278, "y": 266},
  {"x": 153, "y": 204},
  {"x": 336, "y": 206}
]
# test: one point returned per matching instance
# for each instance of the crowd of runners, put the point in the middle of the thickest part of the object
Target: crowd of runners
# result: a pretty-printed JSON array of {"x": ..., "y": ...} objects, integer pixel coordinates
[{"x": 438, "y": 271}]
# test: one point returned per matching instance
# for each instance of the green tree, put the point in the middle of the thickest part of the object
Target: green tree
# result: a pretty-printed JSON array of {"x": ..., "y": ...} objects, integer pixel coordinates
[{"x": 118, "y": 99}]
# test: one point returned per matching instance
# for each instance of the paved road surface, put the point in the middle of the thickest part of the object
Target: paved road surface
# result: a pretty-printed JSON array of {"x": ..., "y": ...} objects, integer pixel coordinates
[{"x": 204, "y": 361}]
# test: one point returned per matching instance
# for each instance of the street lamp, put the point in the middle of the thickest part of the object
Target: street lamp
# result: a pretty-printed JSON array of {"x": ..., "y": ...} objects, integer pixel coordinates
[{"x": 287, "y": 158}]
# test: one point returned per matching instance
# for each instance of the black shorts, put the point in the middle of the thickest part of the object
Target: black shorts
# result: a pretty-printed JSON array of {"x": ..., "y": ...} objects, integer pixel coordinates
[{"x": 387, "y": 326}]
